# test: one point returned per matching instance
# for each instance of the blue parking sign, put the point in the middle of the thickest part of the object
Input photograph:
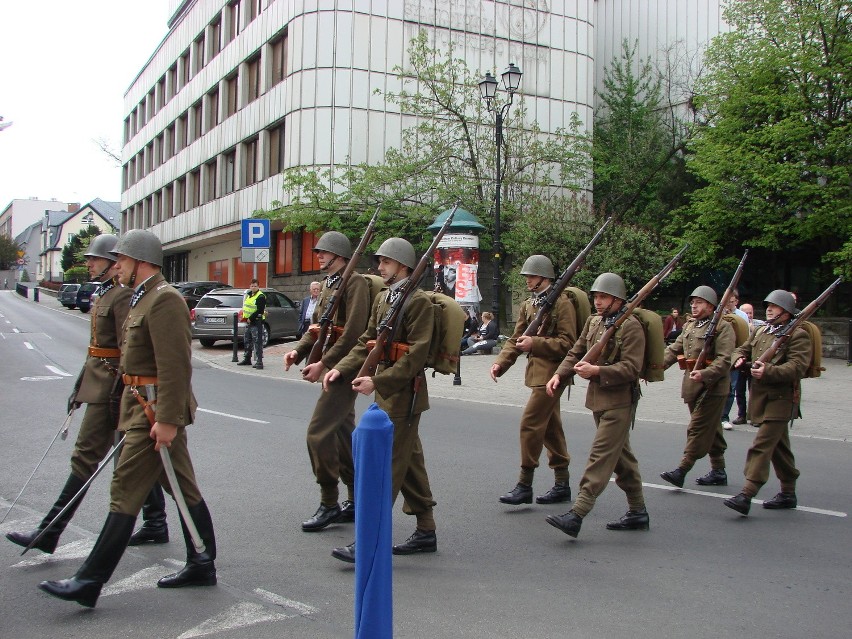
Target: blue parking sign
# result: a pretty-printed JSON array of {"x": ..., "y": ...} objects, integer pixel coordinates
[{"x": 256, "y": 234}]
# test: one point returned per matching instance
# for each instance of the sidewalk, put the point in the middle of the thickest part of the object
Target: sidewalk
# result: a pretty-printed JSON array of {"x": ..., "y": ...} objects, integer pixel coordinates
[{"x": 826, "y": 401}]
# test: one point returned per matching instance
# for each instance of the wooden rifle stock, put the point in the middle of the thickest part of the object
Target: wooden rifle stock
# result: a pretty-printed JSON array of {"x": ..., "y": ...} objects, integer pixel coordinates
[
  {"x": 594, "y": 353},
  {"x": 327, "y": 320},
  {"x": 563, "y": 281},
  {"x": 710, "y": 335},
  {"x": 385, "y": 329},
  {"x": 784, "y": 334}
]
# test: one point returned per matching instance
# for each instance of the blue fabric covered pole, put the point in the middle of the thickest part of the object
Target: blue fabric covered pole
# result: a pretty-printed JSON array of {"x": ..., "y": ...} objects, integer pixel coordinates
[{"x": 372, "y": 448}]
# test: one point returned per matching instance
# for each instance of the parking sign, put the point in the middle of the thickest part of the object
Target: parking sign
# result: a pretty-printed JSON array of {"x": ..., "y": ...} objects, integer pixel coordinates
[{"x": 256, "y": 234}]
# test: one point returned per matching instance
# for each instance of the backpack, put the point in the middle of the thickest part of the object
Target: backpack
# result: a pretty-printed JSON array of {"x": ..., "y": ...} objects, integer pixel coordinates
[
  {"x": 580, "y": 299},
  {"x": 376, "y": 285},
  {"x": 740, "y": 327},
  {"x": 655, "y": 345},
  {"x": 815, "y": 366},
  {"x": 447, "y": 330}
]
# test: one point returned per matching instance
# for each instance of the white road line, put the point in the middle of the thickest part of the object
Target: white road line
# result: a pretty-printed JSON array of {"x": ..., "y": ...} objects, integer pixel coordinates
[
  {"x": 75, "y": 550},
  {"x": 243, "y": 614},
  {"x": 14, "y": 330},
  {"x": 691, "y": 491},
  {"x": 58, "y": 371},
  {"x": 146, "y": 578},
  {"x": 245, "y": 419},
  {"x": 27, "y": 344},
  {"x": 278, "y": 600}
]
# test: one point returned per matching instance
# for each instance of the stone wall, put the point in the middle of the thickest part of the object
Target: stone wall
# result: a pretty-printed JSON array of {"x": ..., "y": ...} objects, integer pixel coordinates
[{"x": 835, "y": 336}]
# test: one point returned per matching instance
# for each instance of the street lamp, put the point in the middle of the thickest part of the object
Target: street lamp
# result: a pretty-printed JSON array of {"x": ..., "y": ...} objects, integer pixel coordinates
[{"x": 488, "y": 88}]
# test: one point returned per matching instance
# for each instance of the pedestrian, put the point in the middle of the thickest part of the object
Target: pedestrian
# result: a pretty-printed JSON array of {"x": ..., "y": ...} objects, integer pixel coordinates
[
  {"x": 329, "y": 435},
  {"x": 309, "y": 304},
  {"x": 774, "y": 400},
  {"x": 400, "y": 387},
  {"x": 155, "y": 352},
  {"x": 704, "y": 391},
  {"x": 5, "y": 282},
  {"x": 485, "y": 337},
  {"x": 611, "y": 396},
  {"x": 736, "y": 390},
  {"x": 672, "y": 326},
  {"x": 95, "y": 388},
  {"x": 541, "y": 422},
  {"x": 254, "y": 312}
]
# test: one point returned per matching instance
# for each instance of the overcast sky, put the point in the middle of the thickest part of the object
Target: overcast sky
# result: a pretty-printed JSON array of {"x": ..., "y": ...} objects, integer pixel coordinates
[{"x": 64, "y": 68}]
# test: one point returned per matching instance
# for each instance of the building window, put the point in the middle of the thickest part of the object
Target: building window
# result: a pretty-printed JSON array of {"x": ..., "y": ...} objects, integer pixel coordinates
[
  {"x": 244, "y": 273},
  {"x": 198, "y": 54},
  {"x": 183, "y": 64},
  {"x": 276, "y": 150},
  {"x": 213, "y": 108},
  {"x": 215, "y": 36},
  {"x": 161, "y": 93},
  {"x": 182, "y": 130},
  {"x": 309, "y": 257},
  {"x": 233, "y": 28},
  {"x": 169, "y": 142},
  {"x": 283, "y": 253},
  {"x": 232, "y": 97},
  {"x": 171, "y": 83},
  {"x": 180, "y": 195},
  {"x": 278, "y": 53},
  {"x": 253, "y": 80},
  {"x": 194, "y": 190},
  {"x": 250, "y": 162},
  {"x": 217, "y": 271},
  {"x": 252, "y": 9},
  {"x": 230, "y": 158},
  {"x": 197, "y": 119},
  {"x": 166, "y": 205},
  {"x": 211, "y": 175}
]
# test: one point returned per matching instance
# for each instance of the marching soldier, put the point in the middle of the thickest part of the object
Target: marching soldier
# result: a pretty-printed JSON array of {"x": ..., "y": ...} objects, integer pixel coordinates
[
  {"x": 541, "y": 423},
  {"x": 96, "y": 387},
  {"x": 704, "y": 391},
  {"x": 613, "y": 384},
  {"x": 400, "y": 387},
  {"x": 774, "y": 402},
  {"x": 155, "y": 353},
  {"x": 329, "y": 434}
]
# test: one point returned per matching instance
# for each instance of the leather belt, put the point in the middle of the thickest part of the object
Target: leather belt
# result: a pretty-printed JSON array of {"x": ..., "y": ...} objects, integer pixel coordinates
[
  {"x": 138, "y": 380},
  {"x": 108, "y": 353}
]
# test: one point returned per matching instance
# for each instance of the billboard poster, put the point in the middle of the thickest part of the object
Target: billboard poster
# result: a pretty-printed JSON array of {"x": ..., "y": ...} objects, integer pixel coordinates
[{"x": 456, "y": 268}]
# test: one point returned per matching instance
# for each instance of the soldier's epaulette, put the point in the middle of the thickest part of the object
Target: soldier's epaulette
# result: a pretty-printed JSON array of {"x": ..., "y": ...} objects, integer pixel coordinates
[{"x": 162, "y": 285}]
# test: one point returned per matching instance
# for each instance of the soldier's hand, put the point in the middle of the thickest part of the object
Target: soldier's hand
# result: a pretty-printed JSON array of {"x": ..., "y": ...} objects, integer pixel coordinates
[
  {"x": 553, "y": 385},
  {"x": 72, "y": 403},
  {"x": 312, "y": 372},
  {"x": 289, "y": 359},
  {"x": 496, "y": 371},
  {"x": 696, "y": 376},
  {"x": 737, "y": 363},
  {"x": 363, "y": 385},
  {"x": 163, "y": 434},
  {"x": 586, "y": 370},
  {"x": 524, "y": 343},
  {"x": 329, "y": 378},
  {"x": 758, "y": 369}
]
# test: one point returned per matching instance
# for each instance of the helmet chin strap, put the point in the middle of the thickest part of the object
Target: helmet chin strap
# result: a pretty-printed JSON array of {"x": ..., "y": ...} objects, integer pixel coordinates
[
  {"x": 538, "y": 285},
  {"x": 104, "y": 272},
  {"x": 132, "y": 280}
]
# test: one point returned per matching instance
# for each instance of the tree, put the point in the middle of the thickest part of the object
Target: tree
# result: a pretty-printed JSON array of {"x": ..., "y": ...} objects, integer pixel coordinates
[
  {"x": 72, "y": 252},
  {"x": 9, "y": 252},
  {"x": 775, "y": 152}
]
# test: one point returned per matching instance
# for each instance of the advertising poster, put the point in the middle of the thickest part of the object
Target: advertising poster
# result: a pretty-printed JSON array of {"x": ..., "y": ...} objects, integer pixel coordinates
[{"x": 456, "y": 268}]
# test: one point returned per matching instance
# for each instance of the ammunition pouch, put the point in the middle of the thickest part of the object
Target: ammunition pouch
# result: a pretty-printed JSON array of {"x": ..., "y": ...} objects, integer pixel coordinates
[
  {"x": 688, "y": 364},
  {"x": 396, "y": 352}
]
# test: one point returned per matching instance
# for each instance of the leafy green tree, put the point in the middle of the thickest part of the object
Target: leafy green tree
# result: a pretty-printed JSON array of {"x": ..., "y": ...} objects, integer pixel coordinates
[
  {"x": 72, "y": 252},
  {"x": 775, "y": 153},
  {"x": 9, "y": 250}
]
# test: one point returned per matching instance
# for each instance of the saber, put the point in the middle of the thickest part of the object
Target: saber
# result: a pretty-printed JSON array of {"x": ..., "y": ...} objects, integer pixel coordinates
[
  {"x": 63, "y": 433},
  {"x": 166, "y": 458},
  {"x": 106, "y": 460}
]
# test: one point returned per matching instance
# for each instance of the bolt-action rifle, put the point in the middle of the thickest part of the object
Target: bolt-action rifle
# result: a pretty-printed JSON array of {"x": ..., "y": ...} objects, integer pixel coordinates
[
  {"x": 325, "y": 339},
  {"x": 563, "y": 280},
  {"x": 386, "y": 328}
]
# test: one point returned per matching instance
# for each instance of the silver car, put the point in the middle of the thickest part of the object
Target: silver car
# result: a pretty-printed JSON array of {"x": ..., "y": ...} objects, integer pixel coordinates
[
  {"x": 68, "y": 295},
  {"x": 213, "y": 317}
]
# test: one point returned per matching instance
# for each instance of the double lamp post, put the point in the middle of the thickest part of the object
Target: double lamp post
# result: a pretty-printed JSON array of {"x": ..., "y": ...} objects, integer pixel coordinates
[{"x": 488, "y": 87}]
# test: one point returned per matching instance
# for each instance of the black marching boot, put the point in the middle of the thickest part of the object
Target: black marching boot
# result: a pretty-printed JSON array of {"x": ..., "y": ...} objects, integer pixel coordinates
[
  {"x": 85, "y": 586},
  {"x": 154, "y": 529},
  {"x": 246, "y": 361},
  {"x": 50, "y": 541},
  {"x": 200, "y": 569}
]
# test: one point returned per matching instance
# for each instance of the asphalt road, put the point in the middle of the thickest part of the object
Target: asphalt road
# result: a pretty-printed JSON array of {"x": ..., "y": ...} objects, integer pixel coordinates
[{"x": 701, "y": 571}]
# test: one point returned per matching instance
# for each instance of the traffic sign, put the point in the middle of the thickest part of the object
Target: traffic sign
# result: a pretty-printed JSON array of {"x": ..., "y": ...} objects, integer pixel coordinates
[
  {"x": 254, "y": 256},
  {"x": 256, "y": 234}
]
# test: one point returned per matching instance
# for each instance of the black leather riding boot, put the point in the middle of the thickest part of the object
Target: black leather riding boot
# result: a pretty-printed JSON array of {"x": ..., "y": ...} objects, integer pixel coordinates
[
  {"x": 85, "y": 586},
  {"x": 154, "y": 529},
  {"x": 200, "y": 569},
  {"x": 49, "y": 542}
]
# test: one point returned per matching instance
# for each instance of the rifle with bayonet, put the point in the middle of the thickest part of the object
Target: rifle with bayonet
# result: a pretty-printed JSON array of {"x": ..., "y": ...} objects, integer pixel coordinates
[
  {"x": 385, "y": 329},
  {"x": 563, "y": 280},
  {"x": 324, "y": 339},
  {"x": 612, "y": 323}
]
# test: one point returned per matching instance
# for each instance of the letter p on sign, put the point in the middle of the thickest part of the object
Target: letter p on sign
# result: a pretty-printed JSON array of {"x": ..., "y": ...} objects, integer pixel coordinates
[{"x": 256, "y": 234}]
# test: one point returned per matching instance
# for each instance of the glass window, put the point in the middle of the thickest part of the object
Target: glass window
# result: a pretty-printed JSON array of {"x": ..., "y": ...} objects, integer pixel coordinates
[
  {"x": 309, "y": 257},
  {"x": 283, "y": 253}
]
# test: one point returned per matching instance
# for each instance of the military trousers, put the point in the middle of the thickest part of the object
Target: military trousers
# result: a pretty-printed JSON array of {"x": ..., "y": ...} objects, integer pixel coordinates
[
  {"x": 770, "y": 445},
  {"x": 329, "y": 440},
  {"x": 140, "y": 467},
  {"x": 610, "y": 453},
  {"x": 541, "y": 427},
  {"x": 704, "y": 434},
  {"x": 97, "y": 433},
  {"x": 408, "y": 472}
]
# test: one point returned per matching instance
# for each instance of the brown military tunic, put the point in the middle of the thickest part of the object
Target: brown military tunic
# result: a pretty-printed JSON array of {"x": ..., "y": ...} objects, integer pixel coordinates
[
  {"x": 394, "y": 383},
  {"x": 773, "y": 403},
  {"x": 610, "y": 398},
  {"x": 156, "y": 342},
  {"x": 704, "y": 434},
  {"x": 541, "y": 422},
  {"x": 329, "y": 435},
  {"x": 98, "y": 379}
]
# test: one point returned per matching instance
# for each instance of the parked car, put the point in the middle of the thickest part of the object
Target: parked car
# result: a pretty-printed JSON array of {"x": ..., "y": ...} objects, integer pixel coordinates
[
  {"x": 194, "y": 291},
  {"x": 213, "y": 317},
  {"x": 68, "y": 295},
  {"x": 84, "y": 295}
]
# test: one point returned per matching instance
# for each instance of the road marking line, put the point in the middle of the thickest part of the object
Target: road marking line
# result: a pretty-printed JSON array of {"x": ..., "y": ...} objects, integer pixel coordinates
[
  {"x": 28, "y": 345},
  {"x": 278, "y": 600},
  {"x": 243, "y": 614},
  {"x": 246, "y": 419},
  {"x": 58, "y": 371},
  {"x": 146, "y": 578},
  {"x": 75, "y": 550},
  {"x": 14, "y": 330},
  {"x": 40, "y": 378}
]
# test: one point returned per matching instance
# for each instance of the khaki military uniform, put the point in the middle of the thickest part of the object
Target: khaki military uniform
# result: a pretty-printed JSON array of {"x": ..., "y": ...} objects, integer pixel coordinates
[
  {"x": 773, "y": 403},
  {"x": 394, "y": 382},
  {"x": 156, "y": 343},
  {"x": 704, "y": 434},
  {"x": 98, "y": 379},
  {"x": 610, "y": 397},
  {"x": 329, "y": 436},
  {"x": 541, "y": 422}
]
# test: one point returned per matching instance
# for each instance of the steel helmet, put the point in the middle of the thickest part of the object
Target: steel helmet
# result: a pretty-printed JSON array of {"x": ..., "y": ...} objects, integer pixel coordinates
[
  {"x": 140, "y": 245},
  {"x": 784, "y": 299},
  {"x": 611, "y": 284},
  {"x": 538, "y": 265},
  {"x": 101, "y": 245},
  {"x": 335, "y": 242},
  {"x": 706, "y": 293},
  {"x": 398, "y": 249}
]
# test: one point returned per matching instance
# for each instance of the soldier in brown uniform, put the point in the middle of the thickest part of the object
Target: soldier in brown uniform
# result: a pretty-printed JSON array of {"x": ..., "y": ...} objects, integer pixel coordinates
[
  {"x": 155, "y": 351},
  {"x": 541, "y": 423},
  {"x": 704, "y": 391},
  {"x": 330, "y": 429},
  {"x": 773, "y": 403},
  {"x": 611, "y": 398},
  {"x": 401, "y": 392}
]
